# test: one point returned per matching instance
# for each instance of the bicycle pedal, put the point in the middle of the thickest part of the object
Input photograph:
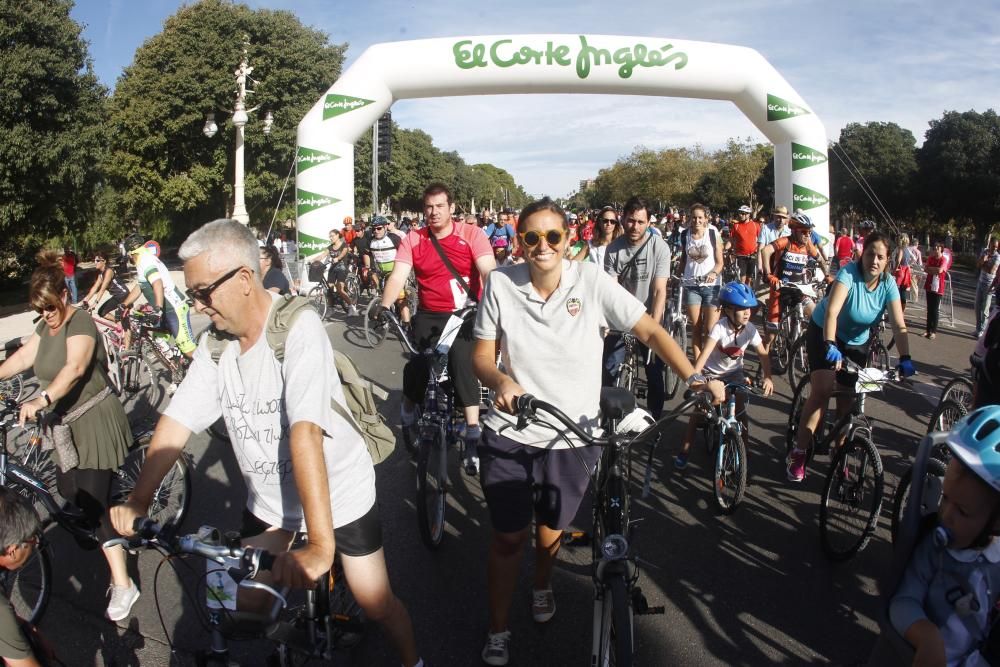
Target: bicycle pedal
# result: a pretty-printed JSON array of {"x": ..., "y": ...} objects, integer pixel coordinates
[
  {"x": 649, "y": 611},
  {"x": 576, "y": 538}
]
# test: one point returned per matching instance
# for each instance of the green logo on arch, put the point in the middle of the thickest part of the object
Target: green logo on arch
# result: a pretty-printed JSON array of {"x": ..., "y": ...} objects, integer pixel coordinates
[
  {"x": 805, "y": 198},
  {"x": 780, "y": 109},
  {"x": 803, "y": 157},
  {"x": 335, "y": 105},
  {"x": 307, "y": 158},
  {"x": 306, "y": 201}
]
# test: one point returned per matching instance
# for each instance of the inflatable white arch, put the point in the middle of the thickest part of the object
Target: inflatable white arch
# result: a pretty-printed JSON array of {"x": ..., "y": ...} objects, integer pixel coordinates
[{"x": 551, "y": 64}]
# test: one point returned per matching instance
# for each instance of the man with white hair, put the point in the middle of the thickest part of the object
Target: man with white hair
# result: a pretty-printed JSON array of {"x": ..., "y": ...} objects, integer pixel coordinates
[{"x": 306, "y": 469}]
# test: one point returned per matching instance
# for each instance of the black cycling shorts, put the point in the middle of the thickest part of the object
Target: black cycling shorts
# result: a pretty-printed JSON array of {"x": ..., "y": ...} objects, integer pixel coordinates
[
  {"x": 816, "y": 350},
  {"x": 358, "y": 538}
]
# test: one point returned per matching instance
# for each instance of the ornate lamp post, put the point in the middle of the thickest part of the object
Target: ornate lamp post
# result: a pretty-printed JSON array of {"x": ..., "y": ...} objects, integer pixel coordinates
[{"x": 240, "y": 118}]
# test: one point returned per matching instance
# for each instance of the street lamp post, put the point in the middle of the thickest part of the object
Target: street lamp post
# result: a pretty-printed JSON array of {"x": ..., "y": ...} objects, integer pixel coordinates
[{"x": 240, "y": 118}]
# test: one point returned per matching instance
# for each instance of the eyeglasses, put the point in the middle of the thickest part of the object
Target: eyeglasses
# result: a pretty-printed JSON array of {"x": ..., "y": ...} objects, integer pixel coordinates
[
  {"x": 204, "y": 294},
  {"x": 379, "y": 227},
  {"x": 609, "y": 221},
  {"x": 50, "y": 308},
  {"x": 99, "y": 259},
  {"x": 552, "y": 236}
]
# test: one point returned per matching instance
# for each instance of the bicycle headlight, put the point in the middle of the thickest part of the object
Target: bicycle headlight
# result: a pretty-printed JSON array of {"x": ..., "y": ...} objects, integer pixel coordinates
[{"x": 614, "y": 547}]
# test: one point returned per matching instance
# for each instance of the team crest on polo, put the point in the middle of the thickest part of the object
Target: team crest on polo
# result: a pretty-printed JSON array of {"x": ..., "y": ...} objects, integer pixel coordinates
[{"x": 573, "y": 306}]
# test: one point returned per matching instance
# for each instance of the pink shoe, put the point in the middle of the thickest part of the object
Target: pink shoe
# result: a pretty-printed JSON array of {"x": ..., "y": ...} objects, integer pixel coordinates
[{"x": 796, "y": 465}]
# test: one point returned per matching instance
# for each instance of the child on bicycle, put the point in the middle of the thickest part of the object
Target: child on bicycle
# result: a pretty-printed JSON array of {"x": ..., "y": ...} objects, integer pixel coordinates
[
  {"x": 721, "y": 357},
  {"x": 946, "y": 603}
]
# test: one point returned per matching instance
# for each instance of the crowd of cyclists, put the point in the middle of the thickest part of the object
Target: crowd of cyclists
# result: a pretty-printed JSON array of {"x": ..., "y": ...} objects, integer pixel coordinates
[{"x": 540, "y": 278}]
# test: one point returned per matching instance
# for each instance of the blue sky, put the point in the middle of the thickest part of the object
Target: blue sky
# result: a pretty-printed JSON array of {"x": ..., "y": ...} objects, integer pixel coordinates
[{"x": 902, "y": 61}]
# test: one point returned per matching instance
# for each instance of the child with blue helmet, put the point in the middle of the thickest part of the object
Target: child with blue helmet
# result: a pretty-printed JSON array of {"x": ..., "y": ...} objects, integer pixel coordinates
[
  {"x": 721, "y": 356},
  {"x": 946, "y": 602}
]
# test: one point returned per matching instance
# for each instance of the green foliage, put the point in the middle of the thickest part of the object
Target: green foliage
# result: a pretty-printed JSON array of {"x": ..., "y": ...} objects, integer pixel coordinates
[
  {"x": 883, "y": 155},
  {"x": 417, "y": 162},
  {"x": 51, "y": 130},
  {"x": 735, "y": 171},
  {"x": 166, "y": 172},
  {"x": 666, "y": 177},
  {"x": 960, "y": 168}
]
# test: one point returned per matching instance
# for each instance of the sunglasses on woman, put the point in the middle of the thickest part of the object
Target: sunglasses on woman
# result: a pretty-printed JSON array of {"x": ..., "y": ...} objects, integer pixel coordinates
[
  {"x": 552, "y": 236},
  {"x": 50, "y": 308}
]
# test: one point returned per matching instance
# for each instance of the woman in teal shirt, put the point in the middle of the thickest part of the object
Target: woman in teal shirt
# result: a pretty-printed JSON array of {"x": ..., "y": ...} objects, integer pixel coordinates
[{"x": 840, "y": 328}]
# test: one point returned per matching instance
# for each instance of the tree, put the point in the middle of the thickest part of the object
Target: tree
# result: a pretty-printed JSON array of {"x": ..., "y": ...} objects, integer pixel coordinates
[
  {"x": 883, "y": 155},
  {"x": 50, "y": 125},
  {"x": 167, "y": 174},
  {"x": 960, "y": 168},
  {"x": 669, "y": 176},
  {"x": 736, "y": 169}
]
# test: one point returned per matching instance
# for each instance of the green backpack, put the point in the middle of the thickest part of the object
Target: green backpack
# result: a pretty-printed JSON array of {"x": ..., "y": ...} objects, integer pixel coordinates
[{"x": 359, "y": 392}]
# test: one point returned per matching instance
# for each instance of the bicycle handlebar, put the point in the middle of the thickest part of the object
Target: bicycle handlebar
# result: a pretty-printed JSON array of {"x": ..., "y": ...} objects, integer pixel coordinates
[
  {"x": 527, "y": 405},
  {"x": 148, "y": 533}
]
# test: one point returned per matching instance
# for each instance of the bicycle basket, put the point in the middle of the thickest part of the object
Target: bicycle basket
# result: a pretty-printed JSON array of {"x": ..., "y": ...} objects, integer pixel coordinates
[{"x": 316, "y": 272}]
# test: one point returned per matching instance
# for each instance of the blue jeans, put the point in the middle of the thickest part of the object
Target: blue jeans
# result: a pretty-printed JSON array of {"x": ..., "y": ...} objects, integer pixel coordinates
[
  {"x": 983, "y": 298},
  {"x": 656, "y": 391},
  {"x": 71, "y": 286}
]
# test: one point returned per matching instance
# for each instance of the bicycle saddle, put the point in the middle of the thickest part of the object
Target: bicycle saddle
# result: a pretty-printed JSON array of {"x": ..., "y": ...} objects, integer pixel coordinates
[{"x": 616, "y": 402}]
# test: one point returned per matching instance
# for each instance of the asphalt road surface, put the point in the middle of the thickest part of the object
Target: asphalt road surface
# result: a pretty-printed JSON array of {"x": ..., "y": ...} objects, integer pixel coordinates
[{"x": 753, "y": 588}]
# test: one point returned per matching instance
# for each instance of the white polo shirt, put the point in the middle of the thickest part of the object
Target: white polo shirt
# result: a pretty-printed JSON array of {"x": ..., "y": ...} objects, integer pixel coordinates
[{"x": 553, "y": 348}]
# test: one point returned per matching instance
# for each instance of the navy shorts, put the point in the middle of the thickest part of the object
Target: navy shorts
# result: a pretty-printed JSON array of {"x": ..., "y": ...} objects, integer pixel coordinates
[{"x": 520, "y": 481}]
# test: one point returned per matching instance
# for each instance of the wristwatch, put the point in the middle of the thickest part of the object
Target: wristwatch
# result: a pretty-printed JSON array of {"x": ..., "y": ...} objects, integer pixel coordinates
[
  {"x": 695, "y": 377},
  {"x": 45, "y": 395}
]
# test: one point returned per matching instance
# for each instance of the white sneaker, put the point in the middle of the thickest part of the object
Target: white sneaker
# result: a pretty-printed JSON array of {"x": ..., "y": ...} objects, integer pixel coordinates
[
  {"x": 352, "y": 311},
  {"x": 122, "y": 600},
  {"x": 497, "y": 649}
]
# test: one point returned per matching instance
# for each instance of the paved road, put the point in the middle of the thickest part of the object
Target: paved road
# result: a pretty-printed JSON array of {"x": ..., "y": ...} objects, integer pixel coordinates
[{"x": 750, "y": 589}]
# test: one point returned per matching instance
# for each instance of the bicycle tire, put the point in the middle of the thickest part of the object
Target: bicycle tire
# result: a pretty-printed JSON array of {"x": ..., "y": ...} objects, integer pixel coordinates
[
  {"x": 878, "y": 356},
  {"x": 346, "y": 615},
  {"x": 432, "y": 488},
  {"x": 29, "y": 587},
  {"x": 172, "y": 498},
  {"x": 855, "y": 476},
  {"x": 799, "y": 397},
  {"x": 615, "y": 647},
  {"x": 671, "y": 380},
  {"x": 798, "y": 361},
  {"x": 375, "y": 332},
  {"x": 141, "y": 387},
  {"x": 353, "y": 289},
  {"x": 730, "y": 479},
  {"x": 779, "y": 352},
  {"x": 959, "y": 390},
  {"x": 901, "y": 498},
  {"x": 40, "y": 465},
  {"x": 12, "y": 388},
  {"x": 945, "y": 415},
  {"x": 318, "y": 299}
]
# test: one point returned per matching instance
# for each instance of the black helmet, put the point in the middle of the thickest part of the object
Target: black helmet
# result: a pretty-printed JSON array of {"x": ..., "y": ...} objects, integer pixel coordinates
[
  {"x": 133, "y": 242},
  {"x": 868, "y": 224}
]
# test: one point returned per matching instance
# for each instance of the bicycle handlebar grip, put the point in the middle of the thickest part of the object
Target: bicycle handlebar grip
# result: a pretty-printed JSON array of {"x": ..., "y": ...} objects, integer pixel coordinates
[
  {"x": 265, "y": 560},
  {"x": 522, "y": 407}
]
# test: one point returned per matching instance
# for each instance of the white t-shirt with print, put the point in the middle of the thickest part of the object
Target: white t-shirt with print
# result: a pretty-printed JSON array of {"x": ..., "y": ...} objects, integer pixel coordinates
[
  {"x": 727, "y": 355},
  {"x": 700, "y": 258},
  {"x": 259, "y": 407}
]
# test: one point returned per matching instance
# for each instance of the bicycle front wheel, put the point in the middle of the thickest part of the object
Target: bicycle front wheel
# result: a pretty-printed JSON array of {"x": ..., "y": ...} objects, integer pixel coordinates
[
  {"x": 945, "y": 415},
  {"x": 614, "y": 624},
  {"x": 346, "y": 615},
  {"x": 29, "y": 587},
  {"x": 852, "y": 499},
  {"x": 40, "y": 464},
  {"x": 730, "y": 480},
  {"x": 798, "y": 361},
  {"x": 936, "y": 468},
  {"x": 779, "y": 352},
  {"x": 878, "y": 356},
  {"x": 172, "y": 497},
  {"x": 141, "y": 391},
  {"x": 353, "y": 288},
  {"x": 432, "y": 482},
  {"x": 317, "y": 297},
  {"x": 12, "y": 388},
  {"x": 960, "y": 391},
  {"x": 672, "y": 381},
  {"x": 375, "y": 332}
]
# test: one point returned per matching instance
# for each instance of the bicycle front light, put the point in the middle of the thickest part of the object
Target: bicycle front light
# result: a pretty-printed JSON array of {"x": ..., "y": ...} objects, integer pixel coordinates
[{"x": 614, "y": 547}]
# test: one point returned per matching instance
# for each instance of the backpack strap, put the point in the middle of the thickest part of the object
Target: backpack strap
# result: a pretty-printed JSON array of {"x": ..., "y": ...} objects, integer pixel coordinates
[{"x": 280, "y": 321}]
